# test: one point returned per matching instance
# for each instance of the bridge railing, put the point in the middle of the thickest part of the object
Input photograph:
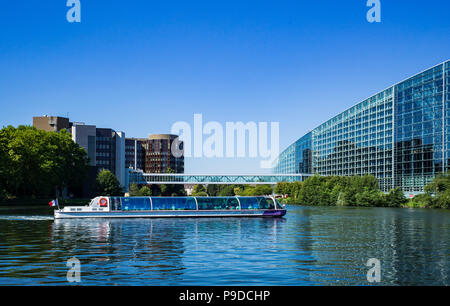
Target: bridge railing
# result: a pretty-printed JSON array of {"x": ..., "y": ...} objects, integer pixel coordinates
[{"x": 140, "y": 177}]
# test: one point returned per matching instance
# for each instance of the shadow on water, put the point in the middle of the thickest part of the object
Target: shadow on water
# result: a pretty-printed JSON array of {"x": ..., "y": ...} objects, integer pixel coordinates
[{"x": 310, "y": 246}]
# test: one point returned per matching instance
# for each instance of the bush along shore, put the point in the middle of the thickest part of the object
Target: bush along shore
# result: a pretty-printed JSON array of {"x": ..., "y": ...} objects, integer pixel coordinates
[{"x": 361, "y": 191}]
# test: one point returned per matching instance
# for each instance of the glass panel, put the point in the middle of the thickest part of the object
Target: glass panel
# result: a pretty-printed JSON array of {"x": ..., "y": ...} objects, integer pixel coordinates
[
  {"x": 249, "y": 203},
  {"x": 116, "y": 204},
  {"x": 220, "y": 203},
  {"x": 265, "y": 203},
  {"x": 279, "y": 205},
  {"x": 136, "y": 204},
  {"x": 184, "y": 203}
]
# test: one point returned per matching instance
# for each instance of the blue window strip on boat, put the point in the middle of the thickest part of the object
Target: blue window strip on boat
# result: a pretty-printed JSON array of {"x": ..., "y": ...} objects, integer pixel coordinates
[{"x": 190, "y": 203}]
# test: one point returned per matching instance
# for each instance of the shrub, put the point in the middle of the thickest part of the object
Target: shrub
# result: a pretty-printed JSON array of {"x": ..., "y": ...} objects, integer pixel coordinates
[{"x": 395, "y": 198}]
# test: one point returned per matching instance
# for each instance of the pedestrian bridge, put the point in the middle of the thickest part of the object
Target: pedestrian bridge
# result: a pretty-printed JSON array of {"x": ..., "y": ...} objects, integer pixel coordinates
[{"x": 142, "y": 178}]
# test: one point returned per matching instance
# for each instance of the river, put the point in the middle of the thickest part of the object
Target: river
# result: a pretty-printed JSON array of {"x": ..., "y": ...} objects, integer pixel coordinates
[{"x": 310, "y": 246}]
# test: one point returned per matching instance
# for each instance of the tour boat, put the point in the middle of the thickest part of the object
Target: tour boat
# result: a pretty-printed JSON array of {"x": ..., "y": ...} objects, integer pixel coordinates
[{"x": 174, "y": 207}]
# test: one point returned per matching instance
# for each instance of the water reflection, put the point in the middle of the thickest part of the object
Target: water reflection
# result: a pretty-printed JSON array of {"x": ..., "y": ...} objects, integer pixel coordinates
[{"x": 310, "y": 246}]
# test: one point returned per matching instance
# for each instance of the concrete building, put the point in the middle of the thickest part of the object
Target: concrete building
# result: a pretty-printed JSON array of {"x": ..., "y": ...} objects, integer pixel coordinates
[{"x": 51, "y": 123}]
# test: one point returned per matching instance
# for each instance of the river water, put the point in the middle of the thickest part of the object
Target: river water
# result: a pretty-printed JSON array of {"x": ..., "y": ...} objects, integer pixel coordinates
[{"x": 310, "y": 246}]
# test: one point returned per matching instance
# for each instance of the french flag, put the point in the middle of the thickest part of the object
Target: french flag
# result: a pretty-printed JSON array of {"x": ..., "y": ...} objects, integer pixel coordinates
[{"x": 53, "y": 203}]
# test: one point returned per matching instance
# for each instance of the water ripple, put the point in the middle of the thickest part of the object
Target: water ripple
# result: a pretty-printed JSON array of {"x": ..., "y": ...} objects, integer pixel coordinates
[{"x": 310, "y": 246}]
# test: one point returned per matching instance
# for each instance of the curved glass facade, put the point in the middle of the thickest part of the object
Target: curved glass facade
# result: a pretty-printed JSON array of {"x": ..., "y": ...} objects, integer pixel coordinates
[
  {"x": 191, "y": 203},
  {"x": 400, "y": 135}
]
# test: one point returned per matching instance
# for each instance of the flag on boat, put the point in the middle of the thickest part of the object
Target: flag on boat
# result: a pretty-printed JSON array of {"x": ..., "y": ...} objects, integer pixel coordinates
[{"x": 53, "y": 203}]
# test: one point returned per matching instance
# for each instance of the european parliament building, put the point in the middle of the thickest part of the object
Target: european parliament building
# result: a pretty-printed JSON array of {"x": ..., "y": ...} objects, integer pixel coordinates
[{"x": 400, "y": 135}]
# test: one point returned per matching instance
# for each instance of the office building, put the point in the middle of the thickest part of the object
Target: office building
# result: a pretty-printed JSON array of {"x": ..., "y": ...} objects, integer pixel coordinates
[
  {"x": 159, "y": 157},
  {"x": 135, "y": 153}
]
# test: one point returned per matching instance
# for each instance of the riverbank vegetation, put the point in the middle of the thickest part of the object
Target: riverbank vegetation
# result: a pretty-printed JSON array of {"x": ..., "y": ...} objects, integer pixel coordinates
[
  {"x": 37, "y": 164},
  {"x": 107, "y": 184},
  {"x": 163, "y": 190},
  {"x": 231, "y": 190},
  {"x": 340, "y": 191},
  {"x": 361, "y": 191}
]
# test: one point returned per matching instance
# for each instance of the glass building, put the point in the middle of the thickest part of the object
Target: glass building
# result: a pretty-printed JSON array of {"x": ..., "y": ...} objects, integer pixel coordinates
[{"x": 400, "y": 135}]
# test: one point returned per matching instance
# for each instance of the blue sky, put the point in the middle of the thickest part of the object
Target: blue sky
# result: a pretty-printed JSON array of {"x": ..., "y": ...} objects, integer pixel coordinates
[{"x": 139, "y": 66}]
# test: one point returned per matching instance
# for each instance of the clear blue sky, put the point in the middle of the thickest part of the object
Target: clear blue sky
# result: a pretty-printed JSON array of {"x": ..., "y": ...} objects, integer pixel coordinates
[{"x": 140, "y": 66}]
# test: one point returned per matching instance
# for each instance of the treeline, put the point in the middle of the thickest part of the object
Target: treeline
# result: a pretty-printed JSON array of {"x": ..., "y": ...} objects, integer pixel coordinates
[
  {"x": 232, "y": 190},
  {"x": 200, "y": 190},
  {"x": 437, "y": 194},
  {"x": 163, "y": 190},
  {"x": 39, "y": 164},
  {"x": 340, "y": 191},
  {"x": 361, "y": 191}
]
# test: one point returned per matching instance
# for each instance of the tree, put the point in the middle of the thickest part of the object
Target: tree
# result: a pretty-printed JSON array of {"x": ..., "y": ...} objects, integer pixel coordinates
[
  {"x": 227, "y": 191},
  {"x": 263, "y": 190},
  {"x": 199, "y": 189},
  {"x": 134, "y": 190},
  {"x": 369, "y": 197},
  {"x": 395, "y": 198},
  {"x": 200, "y": 194},
  {"x": 172, "y": 190},
  {"x": 422, "y": 200},
  {"x": 108, "y": 184},
  {"x": 213, "y": 190},
  {"x": 312, "y": 191},
  {"x": 35, "y": 163},
  {"x": 145, "y": 191},
  {"x": 283, "y": 188}
]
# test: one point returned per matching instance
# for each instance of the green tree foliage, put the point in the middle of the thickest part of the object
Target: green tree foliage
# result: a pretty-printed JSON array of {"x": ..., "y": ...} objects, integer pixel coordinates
[
  {"x": 201, "y": 194},
  {"x": 35, "y": 163},
  {"x": 171, "y": 190},
  {"x": 108, "y": 184},
  {"x": 199, "y": 190},
  {"x": 395, "y": 198},
  {"x": 424, "y": 200},
  {"x": 134, "y": 190},
  {"x": 340, "y": 191},
  {"x": 213, "y": 190},
  {"x": 258, "y": 190},
  {"x": 227, "y": 191},
  {"x": 145, "y": 191},
  {"x": 437, "y": 193}
]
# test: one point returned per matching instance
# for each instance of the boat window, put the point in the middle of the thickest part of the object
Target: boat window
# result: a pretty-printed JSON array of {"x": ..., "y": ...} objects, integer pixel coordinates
[
  {"x": 265, "y": 203},
  {"x": 219, "y": 203},
  {"x": 183, "y": 203},
  {"x": 256, "y": 203},
  {"x": 140, "y": 203},
  {"x": 249, "y": 203},
  {"x": 279, "y": 205},
  {"x": 116, "y": 203}
]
